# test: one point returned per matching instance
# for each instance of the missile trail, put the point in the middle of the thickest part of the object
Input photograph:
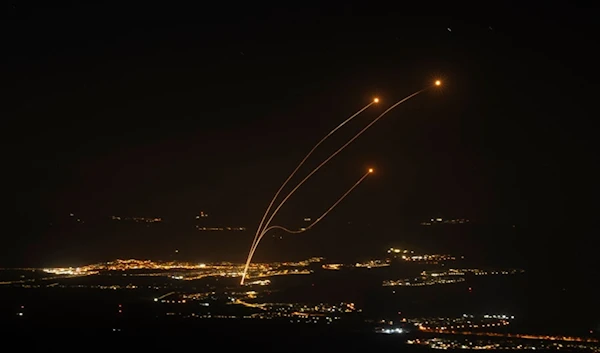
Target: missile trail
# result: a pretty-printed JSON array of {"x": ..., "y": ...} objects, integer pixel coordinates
[
  {"x": 318, "y": 219},
  {"x": 260, "y": 226},
  {"x": 337, "y": 152},
  {"x": 321, "y": 165},
  {"x": 264, "y": 232}
]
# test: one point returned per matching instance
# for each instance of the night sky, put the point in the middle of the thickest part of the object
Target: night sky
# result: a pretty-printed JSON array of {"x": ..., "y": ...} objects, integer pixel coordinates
[{"x": 168, "y": 110}]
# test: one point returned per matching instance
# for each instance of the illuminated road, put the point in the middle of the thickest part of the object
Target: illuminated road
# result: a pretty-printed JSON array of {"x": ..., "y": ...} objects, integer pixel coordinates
[
  {"x": 250, "y": 305},
  {"x": 509, "y": 335}
]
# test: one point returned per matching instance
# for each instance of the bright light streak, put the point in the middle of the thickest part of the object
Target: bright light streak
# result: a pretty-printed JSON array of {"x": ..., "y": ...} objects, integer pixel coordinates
[
  {"x": 320, "y": 217},
  {"x": 258, "y": 234},
  {"x": 370, "y": 170},
  {"x": 260, "y": 226},
  {"x": 376, "y": 100},
  {"x": 338, "y": 151},
  {"x": 262, "y": 234}
]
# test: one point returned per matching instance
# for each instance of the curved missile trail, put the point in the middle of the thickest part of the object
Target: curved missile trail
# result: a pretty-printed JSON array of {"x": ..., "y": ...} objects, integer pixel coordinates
[
  {"x": 264, "y": 232},
  {"x": 338, "y": 151},
  {"x": 322, "y": 164},
  {"x": 320, "y": 217},
  {"x": 260, "y": 226}
]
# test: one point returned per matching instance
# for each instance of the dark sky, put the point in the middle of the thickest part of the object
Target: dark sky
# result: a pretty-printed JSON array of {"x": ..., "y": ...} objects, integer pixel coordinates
[{"x": 169, "y": 110}]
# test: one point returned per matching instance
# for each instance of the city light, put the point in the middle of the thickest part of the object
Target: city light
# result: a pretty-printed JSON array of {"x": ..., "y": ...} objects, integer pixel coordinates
[
  {"x": 438, "y": 83},
  {"x": 474, "y": 331},
  {"x": 186, "y": 270}
]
